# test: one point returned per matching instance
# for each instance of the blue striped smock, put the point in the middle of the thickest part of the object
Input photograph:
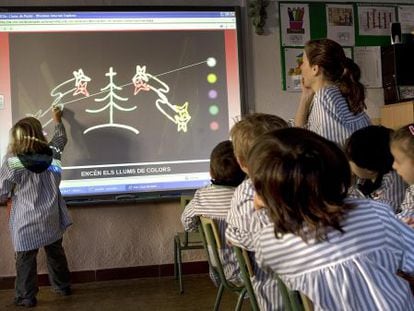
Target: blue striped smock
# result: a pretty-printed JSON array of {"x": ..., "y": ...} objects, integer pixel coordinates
[
  {"x": 407, "y": 206},
  {"x": 39, "y": 215},
  {"x": 331, "y": 118},
  {"x": 239, "y": 232},
  {"x": 356, "y": 270},
  {"x": 391, "y": 191},
  {"x": 214, "y": 201}
]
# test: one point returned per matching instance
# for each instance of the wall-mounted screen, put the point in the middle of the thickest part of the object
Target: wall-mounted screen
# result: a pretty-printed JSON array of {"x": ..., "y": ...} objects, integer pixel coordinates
[{"x": 146, "y": 93}]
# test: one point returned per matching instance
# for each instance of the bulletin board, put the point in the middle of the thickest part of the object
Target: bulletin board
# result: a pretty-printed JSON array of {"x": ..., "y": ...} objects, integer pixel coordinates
[{"x": 361, "y": 28}]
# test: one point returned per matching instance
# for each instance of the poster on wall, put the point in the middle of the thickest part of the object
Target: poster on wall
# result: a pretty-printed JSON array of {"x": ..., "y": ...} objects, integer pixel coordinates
[
  {"x": 293, "y": 61},
  {"x": 375, "y": 20},
  {"x": 368, "y": 58},
  {"x": 294, "y": 18},
  {"x": 406, "y": 18},
  {"x": 340, "y": 23}
]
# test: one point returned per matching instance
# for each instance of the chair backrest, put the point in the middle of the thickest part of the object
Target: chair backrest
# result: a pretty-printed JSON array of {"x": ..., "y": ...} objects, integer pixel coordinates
[
  {"x": 246, "y": 272},
  {"x": 213, "y": 243},
  {"x": 184, "y": 200}
]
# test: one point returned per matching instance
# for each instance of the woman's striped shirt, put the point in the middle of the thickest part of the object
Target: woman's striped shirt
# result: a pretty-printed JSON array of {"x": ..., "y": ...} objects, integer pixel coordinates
[
  {"x": 38, "y": 215},
  {"x": 356, "y": 270},
  {"x": 331, "y": 118}
]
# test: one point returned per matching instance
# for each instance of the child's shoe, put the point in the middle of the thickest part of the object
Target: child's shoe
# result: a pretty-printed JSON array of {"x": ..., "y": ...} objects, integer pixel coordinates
[
  {"x": 25, "y": 302},
  {"x": 67, "y": 291}
]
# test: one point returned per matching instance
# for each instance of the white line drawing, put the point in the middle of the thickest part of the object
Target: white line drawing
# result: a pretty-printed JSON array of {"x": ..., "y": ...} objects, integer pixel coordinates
[
  {"x": 111, "y": 87},
  {"x": 140, "y": 81},
  {"x": 181, "y": 116},
  {"x": 81, "y": 83}
]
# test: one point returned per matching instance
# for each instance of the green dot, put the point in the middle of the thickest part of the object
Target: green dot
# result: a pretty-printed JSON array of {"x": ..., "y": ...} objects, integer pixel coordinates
[
  {"x": 212, "y": 78},
  {"x": 214, "y": 110}
]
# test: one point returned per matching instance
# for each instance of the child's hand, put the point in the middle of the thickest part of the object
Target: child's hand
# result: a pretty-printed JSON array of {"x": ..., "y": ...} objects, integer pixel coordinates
[
  {"x": 57, "y": 114},
  {"x": 409, "y": 221},
  {"x": 257, "y": 202}
]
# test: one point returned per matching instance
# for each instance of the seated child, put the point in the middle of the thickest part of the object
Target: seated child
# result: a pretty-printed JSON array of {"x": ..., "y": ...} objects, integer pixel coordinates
[
  {"x": 343, "y": 253},
  {"x": 402, "y": 148},
  {"x": 214, "y": 201},
  {"x": 238, "y": 232},
  {"x": 370, "y": 158}
]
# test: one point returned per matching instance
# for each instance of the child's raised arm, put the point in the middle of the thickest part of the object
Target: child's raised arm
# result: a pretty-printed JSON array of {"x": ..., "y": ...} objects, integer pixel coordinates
[{"x": 59, "y": 138}]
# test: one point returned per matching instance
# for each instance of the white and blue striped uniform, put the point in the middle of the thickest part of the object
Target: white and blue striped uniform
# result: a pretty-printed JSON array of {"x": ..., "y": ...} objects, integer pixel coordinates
[
  {"x": 356, "y": 270},
  {"x": 39, "y": 215},
  {"x": 214, "y": 201},
  {"x": 407, "y": 206},
  {"x": 240, "y": 215},
  {"x": 241, "y": 233},
  {"x": 331, "y": 118},
  {"x": 391, "y": 191}
]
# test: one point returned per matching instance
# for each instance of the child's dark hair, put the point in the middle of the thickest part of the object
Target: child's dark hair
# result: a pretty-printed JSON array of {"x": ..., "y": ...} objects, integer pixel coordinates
[
  {"x": 303, "y": 179},
  {"x": 224, "y": 169},
  {"x": 26, "y": 136},
  {"x": 404, "y": 136},
  {"x": 339, "y": 69},
  {"x": 251, "y": 126},
  {"x": 369, "y": 148}
]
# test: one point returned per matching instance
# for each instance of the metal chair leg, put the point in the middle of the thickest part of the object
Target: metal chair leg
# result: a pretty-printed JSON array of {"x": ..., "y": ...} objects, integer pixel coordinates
[
  {"x": 218, "y": 297},
  {"x": 180, "y": 272},
  {"x": 175, "y": 260},
  {"x": 240, "y": 300}
]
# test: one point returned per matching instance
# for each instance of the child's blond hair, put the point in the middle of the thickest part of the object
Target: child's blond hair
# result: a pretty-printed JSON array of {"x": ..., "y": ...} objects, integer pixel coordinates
[
  {"x": 244, "y": 132},
  {"x": 404, "y": 137},
  {"x": 26, "y": 136}
]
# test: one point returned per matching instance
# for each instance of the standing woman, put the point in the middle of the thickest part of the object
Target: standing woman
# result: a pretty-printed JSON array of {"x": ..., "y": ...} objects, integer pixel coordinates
[{"x": 333, "y": 100}]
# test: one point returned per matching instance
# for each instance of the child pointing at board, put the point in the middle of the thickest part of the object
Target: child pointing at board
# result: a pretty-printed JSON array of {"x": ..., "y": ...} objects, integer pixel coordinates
[{"x": 31, "y": 175}]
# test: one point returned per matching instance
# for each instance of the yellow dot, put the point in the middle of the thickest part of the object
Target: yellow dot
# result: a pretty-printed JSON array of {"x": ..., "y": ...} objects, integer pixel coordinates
[{"x": 212, "y": 78}]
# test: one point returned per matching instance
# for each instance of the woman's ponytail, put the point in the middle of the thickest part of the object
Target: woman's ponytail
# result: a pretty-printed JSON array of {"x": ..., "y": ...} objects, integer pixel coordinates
[{"x": 351, "y": 88}]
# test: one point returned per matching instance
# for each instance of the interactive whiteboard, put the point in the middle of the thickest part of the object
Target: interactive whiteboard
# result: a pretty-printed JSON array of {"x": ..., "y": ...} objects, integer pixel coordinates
[{"x": 146, "y": 94}]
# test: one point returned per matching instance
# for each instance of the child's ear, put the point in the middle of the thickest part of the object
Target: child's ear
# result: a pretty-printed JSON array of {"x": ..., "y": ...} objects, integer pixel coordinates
[{"x": 242, "y": 165}]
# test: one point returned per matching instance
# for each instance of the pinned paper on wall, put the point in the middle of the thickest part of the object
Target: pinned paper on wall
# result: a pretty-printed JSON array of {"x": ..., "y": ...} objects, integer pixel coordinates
[
  {"x": 293, "y": 61},
  {"x": 375, "y": 20},
  {"x": 294, "y": 24},
  {"x": 341, "y": 24},
  {"x": 406, "y": 18},
  {"x": 368, "y": 58}
]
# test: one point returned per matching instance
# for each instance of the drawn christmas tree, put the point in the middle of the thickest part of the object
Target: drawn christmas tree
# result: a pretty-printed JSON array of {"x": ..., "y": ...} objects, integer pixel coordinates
[{"x": 110, "y": 90}]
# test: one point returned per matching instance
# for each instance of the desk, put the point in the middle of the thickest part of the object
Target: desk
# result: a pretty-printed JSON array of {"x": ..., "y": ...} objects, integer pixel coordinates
[{"x": 397, "y": 115}]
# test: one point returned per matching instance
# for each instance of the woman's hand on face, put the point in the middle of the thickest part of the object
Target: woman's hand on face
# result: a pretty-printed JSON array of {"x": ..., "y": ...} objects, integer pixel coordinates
[{"x": 307, "y": 93}]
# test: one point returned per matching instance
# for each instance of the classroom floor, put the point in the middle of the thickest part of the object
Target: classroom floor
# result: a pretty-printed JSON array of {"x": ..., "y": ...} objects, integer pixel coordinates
[{"x": 154, "y": 294}]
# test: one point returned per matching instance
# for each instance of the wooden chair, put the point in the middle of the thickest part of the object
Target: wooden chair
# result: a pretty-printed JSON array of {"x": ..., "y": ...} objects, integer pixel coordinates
[
  {"x": 246, "y": 272},
  {"x": 212, "y": 244},
  {"x": 184, "y": 241}
]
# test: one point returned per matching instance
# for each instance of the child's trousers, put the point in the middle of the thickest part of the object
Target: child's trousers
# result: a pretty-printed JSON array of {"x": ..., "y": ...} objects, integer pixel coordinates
[{"x": 26, "y": 270}]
